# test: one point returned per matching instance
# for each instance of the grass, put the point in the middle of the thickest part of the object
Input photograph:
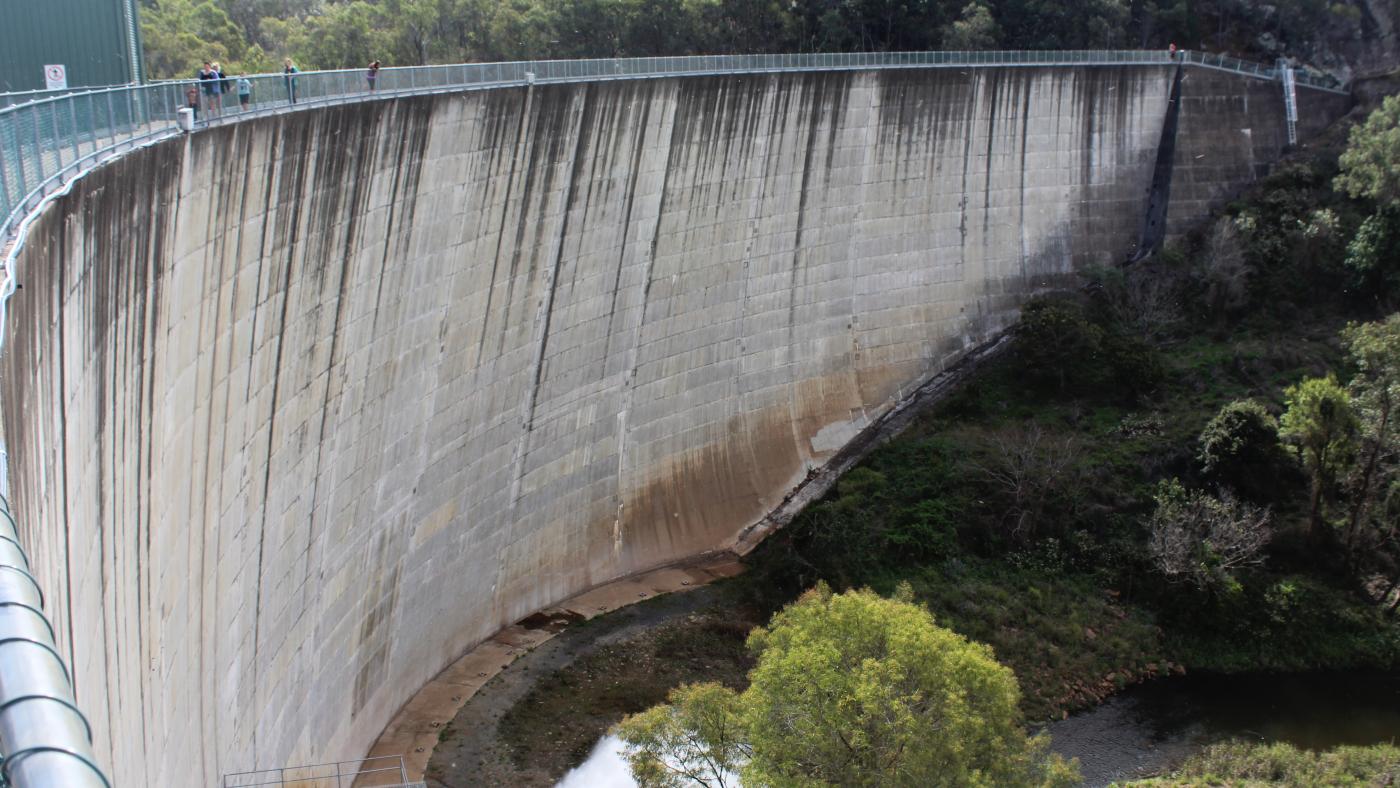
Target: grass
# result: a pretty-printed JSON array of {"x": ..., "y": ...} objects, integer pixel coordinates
[
  {"x": 1070, "y": 643},
  {"x": 1245, "y": 765}
]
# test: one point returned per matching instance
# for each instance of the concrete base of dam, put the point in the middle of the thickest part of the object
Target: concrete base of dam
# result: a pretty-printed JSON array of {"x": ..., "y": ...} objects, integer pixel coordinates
[{"x": 301, "y": 409}]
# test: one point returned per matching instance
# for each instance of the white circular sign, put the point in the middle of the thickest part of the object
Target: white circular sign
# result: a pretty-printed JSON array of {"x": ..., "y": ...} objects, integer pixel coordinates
[{"x": 56, "y": 77}]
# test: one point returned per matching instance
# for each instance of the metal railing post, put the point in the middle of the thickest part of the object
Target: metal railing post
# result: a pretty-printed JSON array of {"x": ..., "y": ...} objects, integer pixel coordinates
[
  {"x": 77, "y": 133},
  {"x": 38, "y": 147}
]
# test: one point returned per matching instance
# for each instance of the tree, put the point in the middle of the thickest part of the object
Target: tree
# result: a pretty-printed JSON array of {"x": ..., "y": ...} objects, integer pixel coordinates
[
  {"x": 1240, "y": 446},
  {"x": 1030, "y": 469},
  {"x": 1368, "y": 164},
  {"x": 1369, "y": 170},
  {"x": 179, "y": 35},
  {"x": 1321, "y": 422},
  {"x": 855, "y": 690},
  {"x": 1375, "y": 394},
  {"x": 1057, "y": 343},
  {"x": 1203, "y": 539},
  {"x": 345, "y": 35},
  {"x": 695, "y": 738},
  {"x": 975, "y": 29}
]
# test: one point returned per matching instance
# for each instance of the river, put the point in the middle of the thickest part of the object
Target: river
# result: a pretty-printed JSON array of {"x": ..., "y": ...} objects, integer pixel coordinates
[{"x": 1148, "y": 728}]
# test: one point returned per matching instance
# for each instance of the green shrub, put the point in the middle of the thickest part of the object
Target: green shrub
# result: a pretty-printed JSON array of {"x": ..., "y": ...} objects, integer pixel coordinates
[
  {"x": 1282, "y": 764},
  {"x": 1240, "y": 447},
  {"x": 1058, "y": 346}
]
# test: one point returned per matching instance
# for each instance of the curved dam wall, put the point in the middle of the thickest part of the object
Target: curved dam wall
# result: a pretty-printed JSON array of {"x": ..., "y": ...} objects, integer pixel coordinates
[{"x": 301, "y": 408}]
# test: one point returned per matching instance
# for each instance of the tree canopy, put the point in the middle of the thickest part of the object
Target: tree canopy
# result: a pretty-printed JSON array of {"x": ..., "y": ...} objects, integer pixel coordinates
[
  {"x": 1321, "y": 422},
  {"x": 1369, "y": 163},
  {"x": 326, "y": 34},
  {"x": 849, "y": 689}
]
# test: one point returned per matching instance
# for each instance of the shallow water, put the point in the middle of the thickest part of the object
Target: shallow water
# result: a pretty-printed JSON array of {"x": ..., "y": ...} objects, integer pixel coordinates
[{"x": 1153, "y": 726}]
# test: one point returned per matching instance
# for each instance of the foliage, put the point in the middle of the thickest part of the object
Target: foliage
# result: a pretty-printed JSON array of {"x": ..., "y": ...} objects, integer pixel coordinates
[
  {"x": 1369, "y": 163},
  {"x": 1321, "y": 422},
  {"x": 851, "y": 689},
  {"x": 695, "y": 738},
  {"x": 1070, "y": 642},
  {"x": 1240, "y": 447},
  {"x": 1057, "y": 344},
  {"x": 1272, "y": 622},
  {"x": 1054, "y": 24},
  {"x": 1372, "y": 252},
  {"x": 179, "y": 35},
  {"x": 1375, "y": 394},
  {"x": 1202, "y": 539},
  {"x": 1281, "y": 764},
  {"x": 1369, "y": 171},
  {"x": 1224, "y": 271},
  {"x": 974, "y": 29},
  {"x": 1030, "y": 471},
  {"x": 322, "y": 34}
]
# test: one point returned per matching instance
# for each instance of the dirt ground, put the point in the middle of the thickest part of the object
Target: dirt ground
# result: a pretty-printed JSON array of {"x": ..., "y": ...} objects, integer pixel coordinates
[{"x": 542, "y": 715}]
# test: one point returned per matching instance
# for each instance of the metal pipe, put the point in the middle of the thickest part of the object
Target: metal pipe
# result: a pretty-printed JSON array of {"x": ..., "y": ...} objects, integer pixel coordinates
[{"x": 45, "y": 740}]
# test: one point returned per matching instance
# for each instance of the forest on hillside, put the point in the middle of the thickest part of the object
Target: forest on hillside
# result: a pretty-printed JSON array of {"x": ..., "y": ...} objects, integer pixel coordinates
[{"x": 254, "y": 35}]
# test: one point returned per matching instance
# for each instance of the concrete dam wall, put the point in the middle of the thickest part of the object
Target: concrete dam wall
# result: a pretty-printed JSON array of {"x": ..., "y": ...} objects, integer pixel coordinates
[{"x": 301, "y": 408}]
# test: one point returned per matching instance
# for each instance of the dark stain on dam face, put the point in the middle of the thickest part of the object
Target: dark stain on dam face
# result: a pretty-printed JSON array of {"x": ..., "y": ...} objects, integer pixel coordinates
[{"x": 301, "y": 408}]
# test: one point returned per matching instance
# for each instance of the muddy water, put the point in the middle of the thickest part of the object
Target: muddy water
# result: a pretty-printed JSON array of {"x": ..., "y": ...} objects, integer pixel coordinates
[{"x": 1151, "y": 727}]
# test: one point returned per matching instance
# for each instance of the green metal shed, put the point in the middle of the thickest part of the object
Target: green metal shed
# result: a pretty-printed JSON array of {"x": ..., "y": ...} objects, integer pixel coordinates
[{"x": 98, "y": 42}]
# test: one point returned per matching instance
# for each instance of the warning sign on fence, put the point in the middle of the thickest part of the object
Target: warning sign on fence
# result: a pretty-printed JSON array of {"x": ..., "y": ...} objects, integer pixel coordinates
[{"x": 56, "y": 77}]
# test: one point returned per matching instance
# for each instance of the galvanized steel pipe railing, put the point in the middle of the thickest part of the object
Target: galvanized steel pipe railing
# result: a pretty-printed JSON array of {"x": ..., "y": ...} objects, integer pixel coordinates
[{"x": 45, "y": 739}]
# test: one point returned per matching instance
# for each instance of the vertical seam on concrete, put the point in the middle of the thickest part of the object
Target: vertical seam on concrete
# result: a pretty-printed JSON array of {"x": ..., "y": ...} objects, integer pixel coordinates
[
  {"x": 759, "y": 152},
  {"x": 627, "y": 222},
  {"x": 206, "y": 718},
  {"x": 357, "y": 189},
  {"x": 544, "y": 312},
  {"x": 868, "y": 153},
  {"x": 516, "y": 154},
  {"x": 634, "y": 351},
  {"x": 817, "y": 98},
  {"x": 272, "y": 422}
]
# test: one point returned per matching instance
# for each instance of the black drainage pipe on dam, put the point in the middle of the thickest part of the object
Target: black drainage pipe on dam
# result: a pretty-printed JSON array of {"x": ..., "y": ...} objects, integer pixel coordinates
[{"x": 1154, "y": 219}]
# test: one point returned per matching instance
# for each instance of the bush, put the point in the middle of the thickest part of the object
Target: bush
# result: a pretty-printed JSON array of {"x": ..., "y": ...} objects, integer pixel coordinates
[
  {"x": 1240, "y": 447},
  {"x": 849, "y": 689},
  {"x": 1057, "y": 344},
  {"x": 1202, "y": 539},
  {"x": 1242, "y": 763}
]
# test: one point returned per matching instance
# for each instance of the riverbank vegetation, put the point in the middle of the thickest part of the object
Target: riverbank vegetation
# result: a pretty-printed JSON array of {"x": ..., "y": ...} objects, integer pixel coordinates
[
  {"x": 849, "y": 689},
  {"x": 1245, "y": 765}
]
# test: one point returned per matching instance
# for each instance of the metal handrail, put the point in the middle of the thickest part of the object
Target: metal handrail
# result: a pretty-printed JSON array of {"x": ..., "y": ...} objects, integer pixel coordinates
[
  {"x": 46, "y": 142},
  {"x": 45, "y": 738}
]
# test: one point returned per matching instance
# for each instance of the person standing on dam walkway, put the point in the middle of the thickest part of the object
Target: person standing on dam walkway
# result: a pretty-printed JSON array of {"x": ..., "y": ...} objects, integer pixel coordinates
[{"x": 289, "y": 72}]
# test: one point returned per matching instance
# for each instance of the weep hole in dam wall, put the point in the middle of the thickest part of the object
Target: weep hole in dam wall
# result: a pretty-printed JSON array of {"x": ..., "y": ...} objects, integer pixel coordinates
[{"x": 301, "y": 408}]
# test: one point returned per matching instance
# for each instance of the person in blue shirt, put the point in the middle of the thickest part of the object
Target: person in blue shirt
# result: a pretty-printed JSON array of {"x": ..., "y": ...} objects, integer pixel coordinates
[{"x": 210, "y": 85}]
